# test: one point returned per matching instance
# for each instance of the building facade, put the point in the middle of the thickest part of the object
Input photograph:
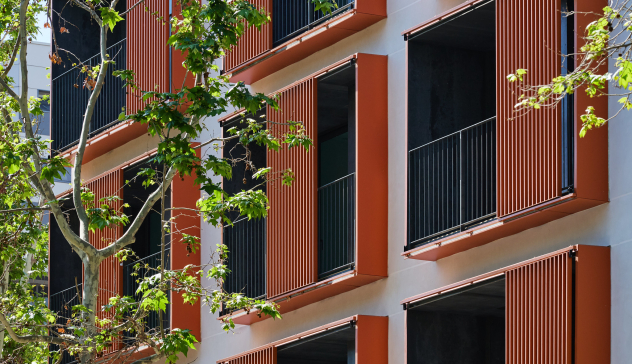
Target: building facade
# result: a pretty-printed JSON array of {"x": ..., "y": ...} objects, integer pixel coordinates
[{"x": 432, "y": 224}]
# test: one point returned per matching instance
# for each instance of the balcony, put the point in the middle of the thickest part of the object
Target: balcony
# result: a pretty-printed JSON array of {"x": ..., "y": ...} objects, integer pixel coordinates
[
  {"x": 355, "y": 340},
  {"x": 129, "y": 45},
  {"x": 558, "y": 303},
  {"x": 67, "y": 116},
  {"x": 452, "y": 183},
  {"x": 477, "y": 169},
  {"x": 325, "y": 234},
  {"x": 296, "y": 31}
]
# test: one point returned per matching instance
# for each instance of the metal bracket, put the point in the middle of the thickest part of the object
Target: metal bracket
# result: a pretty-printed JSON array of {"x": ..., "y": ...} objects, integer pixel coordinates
[{"x": 572, "y": 253}]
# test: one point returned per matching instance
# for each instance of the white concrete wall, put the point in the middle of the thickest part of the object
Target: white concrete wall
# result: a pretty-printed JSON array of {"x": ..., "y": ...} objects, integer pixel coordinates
[{"x": 609, "y": 224}]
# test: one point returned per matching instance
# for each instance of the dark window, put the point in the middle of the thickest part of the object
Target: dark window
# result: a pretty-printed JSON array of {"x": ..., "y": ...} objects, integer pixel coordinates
[{"x": 463, "y": 327}]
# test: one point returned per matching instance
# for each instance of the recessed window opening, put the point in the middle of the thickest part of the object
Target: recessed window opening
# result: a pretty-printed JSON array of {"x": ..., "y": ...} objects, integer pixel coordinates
[
  {"x": 451, "y": 125},
  {"x": 336, "y": 168},
  {"x": 465, "y": 326},
  {"x": 245, "y": 239},
  {"x": 334, "y": 346}
]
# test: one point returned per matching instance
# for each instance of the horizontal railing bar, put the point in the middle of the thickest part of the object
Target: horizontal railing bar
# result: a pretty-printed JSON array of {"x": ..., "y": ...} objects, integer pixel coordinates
[
  {"x": 342, "y": 268},
  {"x": 453, "y": 134},
  {"x": 336, "y": 181},
  {"x": 88, "y": 59},
  {"x": 450, "y": 231}
]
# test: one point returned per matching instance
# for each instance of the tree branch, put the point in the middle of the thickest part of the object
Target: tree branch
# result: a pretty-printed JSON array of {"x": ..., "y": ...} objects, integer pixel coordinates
[
  {"x": 14, "y": 54},
  {"x": 83, "y": 139},
  {"x": 31, "y": 338},
  {"x": 27, "y": 209},
  {"x": 132, "y": 8}
]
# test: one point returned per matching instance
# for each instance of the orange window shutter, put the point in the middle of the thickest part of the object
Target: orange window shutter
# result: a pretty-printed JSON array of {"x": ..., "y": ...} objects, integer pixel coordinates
[
  {"x": 111, "y": 280},
  {"x": 528, "y": 37},
  {"x": 253, "y": 42},
  {"x": 147, "y": 50},
  {"x": 538, "y": 311},
  {"x": 291, "y": 223},
  {"x": 110, "y": 271},
  {"x": 264, "y": 356}
]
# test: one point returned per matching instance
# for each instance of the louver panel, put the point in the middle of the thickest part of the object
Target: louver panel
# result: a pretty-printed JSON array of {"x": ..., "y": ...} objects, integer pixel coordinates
[
  {"x": 538, "y": 312},
  {"x": 253, "y": 42},
  {"x": 147, "y": 50},
  {"x": 111, "y": 280},
  {"x": 528, "y": 144},
  {"x": 110, "y": 271},
  {"x": 291, "y": 223},
  {"x": 263, "y": 356}
]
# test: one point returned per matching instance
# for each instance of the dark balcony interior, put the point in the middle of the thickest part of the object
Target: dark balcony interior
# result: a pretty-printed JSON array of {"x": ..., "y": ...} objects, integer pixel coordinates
[
  {"x": 147, "y": 246},
  {"x": 291, "y": 18},
  {"x": 465, "y": 326},
  {"x": 69, "y": 96},
  {"x": 334, "y": 346},
  {"x": 451, "y": 126},
  {"x": 245, "y": 239},
  {"x": 451, "y": 76},
  {"x": 336, "y": 168}
]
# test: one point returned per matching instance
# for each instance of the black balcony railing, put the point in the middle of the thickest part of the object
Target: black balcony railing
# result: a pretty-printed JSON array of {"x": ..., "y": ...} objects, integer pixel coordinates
[
  {"x": 146, "y": 267},
  {"x": 69, "y": 99},
  {"x": 61, "y": 303},
  {"x": 452, "y": 183},
  {"x": 336, "y": 226},
  {"x": 246, "y": 243},
  {"x": 293, "y": 17}
]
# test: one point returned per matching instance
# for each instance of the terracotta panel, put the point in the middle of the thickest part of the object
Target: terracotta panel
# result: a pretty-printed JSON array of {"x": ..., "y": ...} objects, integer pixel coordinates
[
  {"x": 538, "y": 311},
  {"x": 592, "y": 305},
  {"x": 184, "y": 194},
  {"x": 291, "y": 224},
  {"x": 111, "y": 280},
  {"x": 528, "y": 144},
  {"x": 371, "y": 339},
  {"x": 371, "y": 164},
  {"x": 263, "y": 356},
  {"x": 110, "y": 271},
  {"x": 591, "y": 152},
  {"x": 147, "y": 50},
  {"x": 253, "y": 42}
]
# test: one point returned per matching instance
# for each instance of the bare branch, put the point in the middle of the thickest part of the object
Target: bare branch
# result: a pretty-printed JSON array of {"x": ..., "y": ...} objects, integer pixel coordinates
[{"x": 132, "y": 7}]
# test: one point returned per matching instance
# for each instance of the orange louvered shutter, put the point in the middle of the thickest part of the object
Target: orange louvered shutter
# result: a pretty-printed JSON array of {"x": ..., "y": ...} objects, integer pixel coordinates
[
  {"x": 528, "y": 36},
  {"x": 538, "y": 311},
  {"x": 291, "y": 223},
  {"x": 147, "y": 50},
  {"x": 110, "y": 271},
  {"x": 110, "y": 282},
  {"x": 253, "y": 42},
  {"x": 266, "y": 355}
]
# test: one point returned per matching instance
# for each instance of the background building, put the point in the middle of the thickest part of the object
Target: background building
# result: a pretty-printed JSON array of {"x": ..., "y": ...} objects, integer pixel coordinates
[{"x": 434, "y": 225}]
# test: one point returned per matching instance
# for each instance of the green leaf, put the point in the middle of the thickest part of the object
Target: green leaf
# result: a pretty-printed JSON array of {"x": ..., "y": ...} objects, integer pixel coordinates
[{"x": 110, "y": 17}]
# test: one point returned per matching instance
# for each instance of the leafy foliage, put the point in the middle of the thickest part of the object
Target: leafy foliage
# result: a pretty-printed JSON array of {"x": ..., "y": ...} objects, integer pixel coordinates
[{"x": 607, "y": 37}]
